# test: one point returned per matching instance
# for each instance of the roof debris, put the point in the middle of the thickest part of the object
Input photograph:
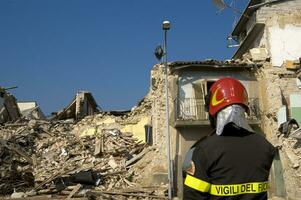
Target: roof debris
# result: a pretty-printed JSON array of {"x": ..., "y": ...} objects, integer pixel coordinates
[{"x": 49, "y": 158}]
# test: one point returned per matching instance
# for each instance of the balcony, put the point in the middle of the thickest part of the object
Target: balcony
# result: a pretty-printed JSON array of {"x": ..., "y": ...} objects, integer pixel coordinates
[{"x": 191, "y": 112}]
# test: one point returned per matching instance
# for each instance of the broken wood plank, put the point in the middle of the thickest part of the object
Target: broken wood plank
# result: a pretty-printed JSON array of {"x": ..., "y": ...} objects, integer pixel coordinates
[
  {"x": 15, "y": 124},
  {"x": 51, "y": 178},
  {"x": 131, "y": 184},
  {"x": 75, "y": 190},
  {"x": 114, "y": 173},
  {"x": 138, "y": 157},
  {"x": 48, "y": 180}
]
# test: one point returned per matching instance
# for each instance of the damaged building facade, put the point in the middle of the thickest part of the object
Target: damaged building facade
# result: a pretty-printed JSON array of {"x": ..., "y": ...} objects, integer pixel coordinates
[
  {"x": 273, "y": 26},
  {"x": 269, "y": 32},
  {"x": 266, "y": 62}
]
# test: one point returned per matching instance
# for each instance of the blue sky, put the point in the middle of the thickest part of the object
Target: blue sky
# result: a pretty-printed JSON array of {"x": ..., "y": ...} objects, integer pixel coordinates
[{"x": 51, "y": 49}]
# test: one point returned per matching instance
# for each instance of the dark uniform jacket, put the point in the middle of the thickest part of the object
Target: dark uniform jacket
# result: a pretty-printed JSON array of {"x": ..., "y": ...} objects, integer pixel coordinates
[{"x": 233, "y": 166}]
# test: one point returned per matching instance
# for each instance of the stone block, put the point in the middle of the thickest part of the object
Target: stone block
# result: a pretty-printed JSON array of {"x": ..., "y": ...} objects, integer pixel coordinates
[{"x": 259, "y": 54}]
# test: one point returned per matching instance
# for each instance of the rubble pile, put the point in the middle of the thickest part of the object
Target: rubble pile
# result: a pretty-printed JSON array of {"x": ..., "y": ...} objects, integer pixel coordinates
[
  {"x": 50, "y": 158},
  {"x": 16, "y": 148},
  {"x": 290, "y": 148}
]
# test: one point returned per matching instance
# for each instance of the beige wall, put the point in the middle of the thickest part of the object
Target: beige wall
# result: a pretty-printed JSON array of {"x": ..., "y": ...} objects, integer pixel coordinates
[
  {"x": 183, "y": 140},
  {"x": 137, "y": 129}
]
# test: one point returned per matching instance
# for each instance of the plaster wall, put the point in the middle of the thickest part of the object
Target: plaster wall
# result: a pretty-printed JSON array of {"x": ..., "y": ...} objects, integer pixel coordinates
[
  {"x": 285, "y": 43},
  {"x": 282, "y": 32},
  {"x": 138, "y": 129}
]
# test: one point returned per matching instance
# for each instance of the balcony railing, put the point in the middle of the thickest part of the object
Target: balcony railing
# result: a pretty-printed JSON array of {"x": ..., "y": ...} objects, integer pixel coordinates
[{"x": 192, "y": 109}]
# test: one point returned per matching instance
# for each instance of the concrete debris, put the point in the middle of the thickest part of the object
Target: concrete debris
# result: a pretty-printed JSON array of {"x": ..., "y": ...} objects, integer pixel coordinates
[
  {"x": 44, "y": 158},
  {"x": 287, "y": 127},
  {"x": 292, "y": 64},
  {"x": 296, "y": 134},
  {"x": 256, "y": 55},
  {"x": 18, "y": 195},
  {"x": 294, "y": 160},
  {"x": 259, "y": 54},
  {"x": 289, "y": 145}
]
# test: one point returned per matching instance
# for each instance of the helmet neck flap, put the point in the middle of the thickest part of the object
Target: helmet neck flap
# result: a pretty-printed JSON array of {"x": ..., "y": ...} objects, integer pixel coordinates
[{"x": 231, "y": 114}]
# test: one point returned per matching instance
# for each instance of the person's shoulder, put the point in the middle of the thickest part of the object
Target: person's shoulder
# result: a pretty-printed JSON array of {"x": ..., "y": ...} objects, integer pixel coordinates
[
  {"x": 259, "y": 135},
  {"x": 204, "y": 142},
  {"x": 261, "y": 138}
]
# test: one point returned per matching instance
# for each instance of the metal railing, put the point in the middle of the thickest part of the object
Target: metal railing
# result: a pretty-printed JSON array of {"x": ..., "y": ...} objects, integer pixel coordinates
[
  {"x": 190, "y": 109},
  {"x": 193, "y": 109}
]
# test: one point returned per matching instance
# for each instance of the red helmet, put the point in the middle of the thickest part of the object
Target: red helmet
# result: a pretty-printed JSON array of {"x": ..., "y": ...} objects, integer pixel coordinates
[{"x": 225, "y": 92}]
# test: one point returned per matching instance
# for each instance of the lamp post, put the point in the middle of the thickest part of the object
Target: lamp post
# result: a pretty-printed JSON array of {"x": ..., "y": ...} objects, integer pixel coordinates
[
  {"x": 159, "y": 53},
  {"x": 166, "y": 27}
]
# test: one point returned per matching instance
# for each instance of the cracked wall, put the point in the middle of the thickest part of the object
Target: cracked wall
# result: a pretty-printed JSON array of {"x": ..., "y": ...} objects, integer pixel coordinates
[
  {"x": 277, "y": 84},
  {"x": 284, "y": 32}
]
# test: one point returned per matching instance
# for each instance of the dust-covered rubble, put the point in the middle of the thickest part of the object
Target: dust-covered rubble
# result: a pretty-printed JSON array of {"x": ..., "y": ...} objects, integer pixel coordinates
[{"x": 52, "y": 158}]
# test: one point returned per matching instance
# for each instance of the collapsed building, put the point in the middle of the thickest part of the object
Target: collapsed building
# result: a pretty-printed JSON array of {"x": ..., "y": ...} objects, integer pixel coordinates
[
  {"x": 12, "y": 110},
  {"x": 99, "y": 154},
  {"x": 83, "y": 104},
  {"x": 266, "y": 62}
]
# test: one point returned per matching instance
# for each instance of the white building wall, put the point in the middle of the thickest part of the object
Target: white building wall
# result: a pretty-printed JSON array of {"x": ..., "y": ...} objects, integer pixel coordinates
[
  {"x": 285, "y": 43},
  {"x": 283, "y": 30},
  {"x": 26, "y": 105}
]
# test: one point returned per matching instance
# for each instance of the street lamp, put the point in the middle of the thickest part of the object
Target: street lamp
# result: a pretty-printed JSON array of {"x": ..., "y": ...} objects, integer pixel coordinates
[
  {"x": 159, "y": 53},
  {"x": 166, "y": 27}
]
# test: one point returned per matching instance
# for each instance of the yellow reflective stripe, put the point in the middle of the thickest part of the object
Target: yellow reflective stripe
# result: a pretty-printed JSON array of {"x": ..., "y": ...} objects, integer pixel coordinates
[
  {"x": 225, "y": 190},
  {"x": 237, "y": 189},
  {"x": 197, "y": 184}
]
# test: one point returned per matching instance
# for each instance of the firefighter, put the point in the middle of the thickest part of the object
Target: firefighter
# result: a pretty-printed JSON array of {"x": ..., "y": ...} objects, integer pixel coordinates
[{"x": 233, "y": 163}]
